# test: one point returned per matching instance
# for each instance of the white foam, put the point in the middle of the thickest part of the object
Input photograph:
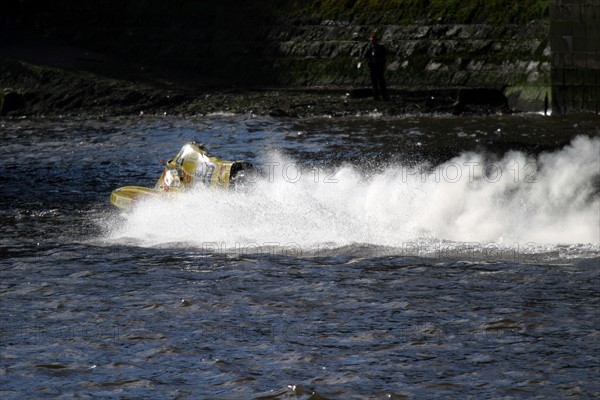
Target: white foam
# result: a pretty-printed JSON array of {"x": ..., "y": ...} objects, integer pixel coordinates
[{"x": 551, "y": 200}]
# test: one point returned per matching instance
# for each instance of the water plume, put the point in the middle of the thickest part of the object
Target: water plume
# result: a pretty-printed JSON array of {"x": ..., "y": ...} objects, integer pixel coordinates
[{"x": 549, "y": 199}]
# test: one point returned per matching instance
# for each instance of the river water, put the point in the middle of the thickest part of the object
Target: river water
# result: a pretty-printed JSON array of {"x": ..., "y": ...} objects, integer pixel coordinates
[{"x": 376, "y": 258}]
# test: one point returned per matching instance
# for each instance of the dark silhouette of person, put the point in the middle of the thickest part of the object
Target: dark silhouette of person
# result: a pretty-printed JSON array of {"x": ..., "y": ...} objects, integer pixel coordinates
[{"x": 375, "y": 56}]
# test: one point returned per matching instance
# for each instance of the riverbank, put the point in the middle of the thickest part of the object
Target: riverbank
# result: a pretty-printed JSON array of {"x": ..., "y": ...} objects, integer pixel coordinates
[
  {"x": 30, "y": 89},
  {"x": 39, "y": 76},
  {"x": 274, "y": 57}
]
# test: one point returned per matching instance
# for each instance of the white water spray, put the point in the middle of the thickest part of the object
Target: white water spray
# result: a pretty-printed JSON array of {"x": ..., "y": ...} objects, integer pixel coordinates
[{"x": 551, "y": 199}]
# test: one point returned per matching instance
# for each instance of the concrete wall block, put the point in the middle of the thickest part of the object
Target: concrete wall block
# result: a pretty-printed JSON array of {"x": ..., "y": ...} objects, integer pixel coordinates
[
  {"x": 593, "y": 39},
  {"x": 579, "y": 30},
  {"x": 560, "y": 43},
  {"x": 568, "y": 42},
  {"x": 583, "y": 98},
  {"x": 595, "y": 105},
  {"x": 557, "y": 76},
  {"x": 558, "y": 60},
  {"x": 590, "y": 77},
  {"x": 558, "y": 99},
  {"x": 568, "y": 60},
  {"x": 575, "y": 11},
  {"x": 582, "y": 43},
  {"x": 580, "y": 59},
  {"x": 572, "y": 77},
  {"x": 562, "y": 27},
  {"x": 554, "y": 9},
  {"x": 593, "y": 61}
]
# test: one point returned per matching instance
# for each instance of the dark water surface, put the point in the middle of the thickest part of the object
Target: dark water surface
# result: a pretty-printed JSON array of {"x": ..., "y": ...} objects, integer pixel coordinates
[{"x": 377, "y": 258}]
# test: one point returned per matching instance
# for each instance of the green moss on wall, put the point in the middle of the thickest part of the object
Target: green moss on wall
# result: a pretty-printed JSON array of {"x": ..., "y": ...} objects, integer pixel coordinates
[
  {"x": 411, "y": 11},
  {"x": 306, "y": 42}
]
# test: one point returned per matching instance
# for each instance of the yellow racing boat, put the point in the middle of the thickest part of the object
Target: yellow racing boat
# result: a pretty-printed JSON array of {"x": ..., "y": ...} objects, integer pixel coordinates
[{"x": 192, "y": 166}]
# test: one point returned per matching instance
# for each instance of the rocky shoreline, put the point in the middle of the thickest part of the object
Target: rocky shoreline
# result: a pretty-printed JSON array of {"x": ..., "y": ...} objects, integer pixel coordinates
[
  {"x": 37, "y": 90},
  {"x": 277, "y": 58},
  {"x": 42, "y": 78}
]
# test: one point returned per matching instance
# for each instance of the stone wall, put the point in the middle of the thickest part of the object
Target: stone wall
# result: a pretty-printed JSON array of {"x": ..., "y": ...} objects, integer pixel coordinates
[
  {"x": 575, "y": 42},
  {"x": 513, "y": 58},
  {"x": 225, "y": 42}
]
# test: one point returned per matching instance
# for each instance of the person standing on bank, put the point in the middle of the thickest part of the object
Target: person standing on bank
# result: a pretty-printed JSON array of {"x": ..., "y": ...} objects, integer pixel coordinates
[{"x": 375, "y": 56}]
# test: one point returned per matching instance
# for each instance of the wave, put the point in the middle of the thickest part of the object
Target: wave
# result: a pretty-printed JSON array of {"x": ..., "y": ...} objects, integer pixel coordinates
[{"x": 550, "y": 199}]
